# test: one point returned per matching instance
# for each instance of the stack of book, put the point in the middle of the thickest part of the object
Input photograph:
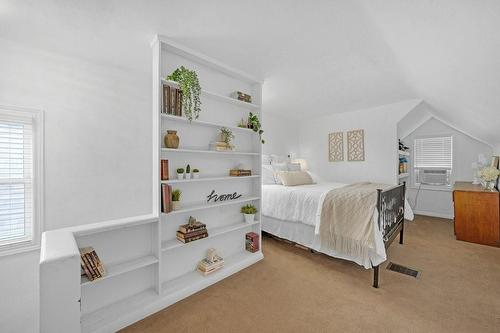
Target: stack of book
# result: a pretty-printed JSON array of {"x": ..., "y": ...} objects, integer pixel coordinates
[
  {"x": 192, "y": 231},
  {"x": 221, "y": 146},
  {"x": 208, "y": 266},
  {"x": 242, "y": 96},
  {"x": 166, "y": 198},
  {"x": 91, "y": 264},
  {"x": 172, "y": 101},
  {"x": 240, "y": 173},
  {"x": 252, "y": 242}
]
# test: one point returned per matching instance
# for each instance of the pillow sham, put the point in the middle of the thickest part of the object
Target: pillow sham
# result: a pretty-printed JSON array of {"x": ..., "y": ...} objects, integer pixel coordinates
[
  {"x": 277, "y": 167},
  {"x": 293, "y": 167},
  {"x": 293, "y": 178}
]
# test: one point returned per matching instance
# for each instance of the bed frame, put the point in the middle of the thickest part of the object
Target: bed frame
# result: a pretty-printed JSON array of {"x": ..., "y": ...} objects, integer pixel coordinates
[
  {"x": 391, "y": 220},
  {"x": 391, "y": 208}
]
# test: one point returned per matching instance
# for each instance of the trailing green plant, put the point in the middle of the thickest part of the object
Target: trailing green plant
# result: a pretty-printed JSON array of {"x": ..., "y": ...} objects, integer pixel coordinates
[
  {"x": 226, "y": 134},
  {"x": 188, "y": 169},
  {"x": 180, "y": 170},
  {"x": 196, "y": 170},
  {"x": 176, "y": 195},
  {"x": 254, "y": 124},
  {"x": 248, "y": 209},
  {"x": 191, "y": 90}
]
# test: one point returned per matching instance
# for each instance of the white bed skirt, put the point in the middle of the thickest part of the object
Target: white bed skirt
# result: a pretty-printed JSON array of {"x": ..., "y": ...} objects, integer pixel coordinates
[{"x": 303, "y": 234}]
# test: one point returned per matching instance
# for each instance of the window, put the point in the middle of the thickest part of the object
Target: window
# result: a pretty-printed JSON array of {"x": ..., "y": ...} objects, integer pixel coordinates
[
  {"x": 20, "y": 179},
  {"x": 433, "y": 160}
]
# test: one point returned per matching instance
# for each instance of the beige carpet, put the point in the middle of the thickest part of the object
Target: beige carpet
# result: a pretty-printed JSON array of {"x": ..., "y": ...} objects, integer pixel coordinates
[{"x": 292, "y": 290}]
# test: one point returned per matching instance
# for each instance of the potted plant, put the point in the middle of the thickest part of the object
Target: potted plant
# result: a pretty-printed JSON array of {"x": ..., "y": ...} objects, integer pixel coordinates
[
  {"x": 176, "y": 199},
  {"x": 226, "y": 135},
  {"x": 249, "y": 212},
  {"x": 254, "y": 124},
  {"x": 180, "y": 173},
  {"x": 188, "y": 172},
  {"x": 191, "y": 90},
  {"x": 196, "y": 173}
]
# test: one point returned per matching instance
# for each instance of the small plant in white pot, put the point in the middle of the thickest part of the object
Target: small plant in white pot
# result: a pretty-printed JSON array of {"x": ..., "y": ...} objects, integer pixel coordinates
[
  {"x": 176, "y": 199},
  {"x": 180, "y": 173},
  {"x": 196, "y": 173},
  {"x": 249, "y": 212},
  {"x": 188, "y": 172}
]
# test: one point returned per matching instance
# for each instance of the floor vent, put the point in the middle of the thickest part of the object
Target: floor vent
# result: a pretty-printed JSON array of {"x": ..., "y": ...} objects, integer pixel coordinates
[{"x": 403, "y": 270}]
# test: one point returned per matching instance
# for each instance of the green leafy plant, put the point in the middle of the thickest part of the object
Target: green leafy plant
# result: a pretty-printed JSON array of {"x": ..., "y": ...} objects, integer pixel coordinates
[
  {"x": 196, "y": 170},
  {"x": 191, "y": 90},
  {"x": 248, "y": 209},
  {"x": 254, "y": 124},
  {"x": 180, "y": 170},
  {"x": 176, "y": 195},
  {"x": 188, "y": 169},
  {"x": 226, "y": 134}
]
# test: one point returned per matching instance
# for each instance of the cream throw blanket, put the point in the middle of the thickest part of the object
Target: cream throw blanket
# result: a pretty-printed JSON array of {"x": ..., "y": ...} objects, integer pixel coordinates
[{"x": 346, "y": 223}]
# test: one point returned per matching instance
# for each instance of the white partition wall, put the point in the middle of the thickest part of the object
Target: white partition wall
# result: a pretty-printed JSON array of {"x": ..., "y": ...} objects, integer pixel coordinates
[{"x": 147, "y": 267}]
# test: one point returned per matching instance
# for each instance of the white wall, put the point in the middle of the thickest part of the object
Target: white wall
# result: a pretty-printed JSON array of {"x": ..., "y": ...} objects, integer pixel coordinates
[
  {"x": 380, "y": 128},
  {"x": 97, "y": 153},
  {"x": 465, "y": 151},
  {"x": 281, "y": 135}
]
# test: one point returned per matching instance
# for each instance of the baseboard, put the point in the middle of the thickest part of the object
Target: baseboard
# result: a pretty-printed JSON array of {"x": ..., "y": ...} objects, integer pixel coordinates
[{"x": 433, "y": 214}]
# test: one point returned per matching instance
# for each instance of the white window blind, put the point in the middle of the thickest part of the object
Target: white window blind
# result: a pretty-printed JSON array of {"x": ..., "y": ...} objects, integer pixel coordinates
[
  {"x": 435, "y": 152},
  {"x": 16, "y": 180}
]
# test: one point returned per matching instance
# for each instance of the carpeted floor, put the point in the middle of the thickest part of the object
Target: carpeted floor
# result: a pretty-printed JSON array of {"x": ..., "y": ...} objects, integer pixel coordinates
[{"x": 292, "y": 290}]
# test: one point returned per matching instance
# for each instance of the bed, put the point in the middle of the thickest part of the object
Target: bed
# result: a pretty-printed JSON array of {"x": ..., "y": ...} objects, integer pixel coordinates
[{"x": 295, "y": 213}]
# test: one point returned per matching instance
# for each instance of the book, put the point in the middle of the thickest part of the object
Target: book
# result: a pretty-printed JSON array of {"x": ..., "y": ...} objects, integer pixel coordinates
[
  {"x": 91, "y": 264},
  {"x": 192, "y": 233},
  {"x": 205, "y": 273},
  {"x": 252, "y": 242},
  {"x": 194, "y": 238},
  {"x": 164, "y": 170},
  {"x": 166, "y": 198},
  {"x": 186, "y": 228}
]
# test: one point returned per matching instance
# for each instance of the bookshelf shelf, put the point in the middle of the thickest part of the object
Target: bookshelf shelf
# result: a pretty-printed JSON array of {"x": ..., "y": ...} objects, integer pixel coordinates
[
  {"x": 217, "y": 97},
  {"x": 207, "y": 179},
  {"x": 212, "y": 232},
  {"x": 207, "y": 123},
  {"x": 195, "y": 207},
  {"x": 184, "y": 283},
  {"x": 202, "y": 151},
  {"x": 117, "y": 269}
]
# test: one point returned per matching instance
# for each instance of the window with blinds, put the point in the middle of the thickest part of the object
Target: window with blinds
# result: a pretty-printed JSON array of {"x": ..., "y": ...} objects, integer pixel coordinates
[
  {"x": 433, "y": 160},
  {"x": 16, "y": 180}
]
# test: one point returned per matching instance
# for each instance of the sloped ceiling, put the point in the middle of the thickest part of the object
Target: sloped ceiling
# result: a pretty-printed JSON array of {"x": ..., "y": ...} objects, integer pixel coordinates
[{"x": 316, "y": 57}]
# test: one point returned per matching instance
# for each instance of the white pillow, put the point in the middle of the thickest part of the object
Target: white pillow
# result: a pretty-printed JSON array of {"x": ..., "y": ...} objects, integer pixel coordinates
[
  {"x": 277, "y": 167},
  {"x": 278, "y": 159},
  {"x": 293, "y": 178},
  {"x": 316, "y": 179},
  {"x": 268, "y": 175},
  {"x": 293, "y": 167}
]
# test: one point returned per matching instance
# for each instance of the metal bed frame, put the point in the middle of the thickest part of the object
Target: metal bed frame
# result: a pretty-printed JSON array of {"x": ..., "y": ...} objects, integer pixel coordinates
[{"x": 391, "y": 220}]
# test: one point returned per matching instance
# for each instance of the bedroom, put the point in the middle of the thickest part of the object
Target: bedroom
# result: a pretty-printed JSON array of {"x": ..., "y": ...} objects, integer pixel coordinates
[{"x": 87, "y": 81}]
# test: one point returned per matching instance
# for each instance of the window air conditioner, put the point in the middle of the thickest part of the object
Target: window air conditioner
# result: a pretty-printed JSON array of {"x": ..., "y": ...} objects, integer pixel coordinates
[{"x": 433, "y": 177}]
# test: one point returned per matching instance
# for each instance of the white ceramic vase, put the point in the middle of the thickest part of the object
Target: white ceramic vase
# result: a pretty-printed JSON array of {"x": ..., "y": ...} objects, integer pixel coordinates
[
  {"x": 249, "y": 218},
  {"x": 176, "y": 205},
  {"x": 188, "y": 176},
  {"x": 180, "y": 176},
  {"x": 196, "y": 175}
]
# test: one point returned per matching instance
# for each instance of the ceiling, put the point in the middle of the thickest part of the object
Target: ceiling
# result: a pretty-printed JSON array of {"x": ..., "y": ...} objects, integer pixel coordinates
[{"x": 333, "y": 56}]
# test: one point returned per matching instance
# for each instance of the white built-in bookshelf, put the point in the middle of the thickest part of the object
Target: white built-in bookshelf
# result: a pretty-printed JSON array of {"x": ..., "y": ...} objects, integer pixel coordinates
[{"x": 147, "y": 267}]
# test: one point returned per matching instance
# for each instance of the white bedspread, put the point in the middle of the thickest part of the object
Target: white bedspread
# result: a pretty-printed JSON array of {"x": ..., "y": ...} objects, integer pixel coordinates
[{"x": 295, "y": 203}]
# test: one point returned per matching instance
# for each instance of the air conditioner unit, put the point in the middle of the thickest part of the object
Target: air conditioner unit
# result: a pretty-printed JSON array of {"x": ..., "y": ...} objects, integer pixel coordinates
[{"x": 433, "y": 177}]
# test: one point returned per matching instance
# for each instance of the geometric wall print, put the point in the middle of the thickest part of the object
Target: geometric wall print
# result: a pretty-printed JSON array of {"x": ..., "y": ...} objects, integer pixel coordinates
[
  {"x": 356, "y": 145},
  {"x": 336, "y": 146}
]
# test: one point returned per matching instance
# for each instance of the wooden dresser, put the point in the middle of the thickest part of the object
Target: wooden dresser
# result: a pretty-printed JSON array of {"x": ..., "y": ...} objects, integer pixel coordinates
[{"x": 477, "y": 214}]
